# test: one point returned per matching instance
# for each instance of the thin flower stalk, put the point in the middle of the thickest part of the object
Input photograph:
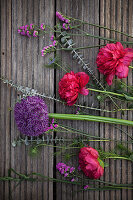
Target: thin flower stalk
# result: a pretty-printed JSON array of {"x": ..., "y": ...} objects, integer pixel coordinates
[{"x": 91, "y": 118}]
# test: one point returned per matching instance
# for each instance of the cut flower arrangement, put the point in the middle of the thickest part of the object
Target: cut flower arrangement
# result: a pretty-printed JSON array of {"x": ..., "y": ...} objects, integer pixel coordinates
[{"x": 35, "y": 123}]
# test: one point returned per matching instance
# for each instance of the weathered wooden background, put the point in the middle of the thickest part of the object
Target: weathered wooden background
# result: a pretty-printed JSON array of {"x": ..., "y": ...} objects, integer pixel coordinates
[{"x": 22, "y": 62}]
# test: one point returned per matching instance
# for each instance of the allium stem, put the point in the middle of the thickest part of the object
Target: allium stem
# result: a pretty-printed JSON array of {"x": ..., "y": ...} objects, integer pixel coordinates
[
  {"x": 106, "y": 92},
  {"x": 91, "y": 118}
]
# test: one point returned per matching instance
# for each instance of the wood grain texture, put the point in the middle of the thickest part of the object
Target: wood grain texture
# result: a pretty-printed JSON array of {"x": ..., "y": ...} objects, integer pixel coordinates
[{"x": 22, "y": 62}]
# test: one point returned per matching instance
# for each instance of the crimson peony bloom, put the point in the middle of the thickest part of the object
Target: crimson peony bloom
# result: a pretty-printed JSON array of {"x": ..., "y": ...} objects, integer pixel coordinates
[
  {"x": 90, "y": 163},
  {"x": 71, "y": 85},
  {"x": 113, "y": 59}
]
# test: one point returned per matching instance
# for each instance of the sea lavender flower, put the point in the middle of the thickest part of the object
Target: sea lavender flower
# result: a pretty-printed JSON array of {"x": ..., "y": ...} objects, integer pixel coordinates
[
  {"x": 31, "y": 116},
  {"x": 42, "y": 26},
  {"x": 35, "y": 33}
]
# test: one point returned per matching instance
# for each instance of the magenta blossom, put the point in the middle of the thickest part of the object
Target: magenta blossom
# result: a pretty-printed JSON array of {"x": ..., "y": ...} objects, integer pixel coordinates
[{"x": 35, "y": 33}]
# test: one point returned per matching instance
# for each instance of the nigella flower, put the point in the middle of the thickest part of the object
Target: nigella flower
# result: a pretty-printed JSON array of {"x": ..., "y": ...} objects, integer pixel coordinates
[{"x": 31, "y": 116}]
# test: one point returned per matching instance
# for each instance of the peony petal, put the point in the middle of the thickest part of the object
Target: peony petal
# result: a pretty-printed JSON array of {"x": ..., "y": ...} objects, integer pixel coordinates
[
  {"x": 109, "y": 79},
  {"x": 84, "y": 78},
  {"x": 122, "y": 73},
  {"x": 119, "y": 46},
  {"x": 84, "y": 91}
]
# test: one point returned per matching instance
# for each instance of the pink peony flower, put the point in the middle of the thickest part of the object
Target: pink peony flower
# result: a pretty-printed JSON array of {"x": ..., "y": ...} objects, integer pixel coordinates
[
  {"x": 71, "y": 85},
  {"x": 90, "y": 163},
  {"x": 113, "y": 59}
]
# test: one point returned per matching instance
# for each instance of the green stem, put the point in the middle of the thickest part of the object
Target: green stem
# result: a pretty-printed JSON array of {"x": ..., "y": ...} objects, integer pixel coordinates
[
  {"x": 99, "y": 26},
  {"x": 91, "y": 118},
  {"x": 106, "y": 92},
  {"x": 103, "y": 38},
  {"x": 131, "y": 67},
  {"x": 118, "y": 157}
]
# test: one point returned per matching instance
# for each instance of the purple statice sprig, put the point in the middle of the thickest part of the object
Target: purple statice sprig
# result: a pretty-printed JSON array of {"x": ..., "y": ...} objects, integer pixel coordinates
[
  {"x": 66, "y": 22},
  {"x": 62, "y": 18},
  {"x": 64, "y": 169},
  {"x": 31, "y": 30},
  {"x": 50, "y": 48}
]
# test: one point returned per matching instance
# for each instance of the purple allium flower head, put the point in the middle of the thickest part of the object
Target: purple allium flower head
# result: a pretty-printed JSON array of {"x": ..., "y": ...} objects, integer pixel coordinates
[{"x": 31, "y": 116}]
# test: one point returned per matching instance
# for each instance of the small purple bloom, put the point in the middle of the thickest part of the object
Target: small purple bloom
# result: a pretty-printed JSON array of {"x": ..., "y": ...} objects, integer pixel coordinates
[
  {"x": 62, "y": 171},
  {"x": 26, "y": 27},
  {"x": 35, "y": 33},
  {"x": 66, "y": 174},
  {"x": 72, "y": 169},
  {"x": 72, "y": 180},
  {"x": 31, "y": 116},
  {"x": 28, "y": 34},
  {"x": 52, "y": 121},
  {"x": 19, "y": 31},
  {"x": 67, "y": 21},
  {"x": 52, "y": 38},
  {"x": 86, "y": 186},
  {"x": 23, "y": 33},
  {"x": 42, "y": 26},
  {"x": 56, "y": 125},
  {"x": 67, "y": 168},
  {"x": 79, "y": 169},
  {"x": 31, "y": 26},
  {"x": 22, "y": 27},
  {"x": 66, "y": 26},
  {"x": 54, "y": 43}
]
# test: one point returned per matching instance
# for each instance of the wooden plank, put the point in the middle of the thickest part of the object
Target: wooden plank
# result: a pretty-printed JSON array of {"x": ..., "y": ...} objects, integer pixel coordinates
[
  {"x": 5, "y": 93},
  {"x": 26, "y": 62},
  {"x": 83, "y": 10}
]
